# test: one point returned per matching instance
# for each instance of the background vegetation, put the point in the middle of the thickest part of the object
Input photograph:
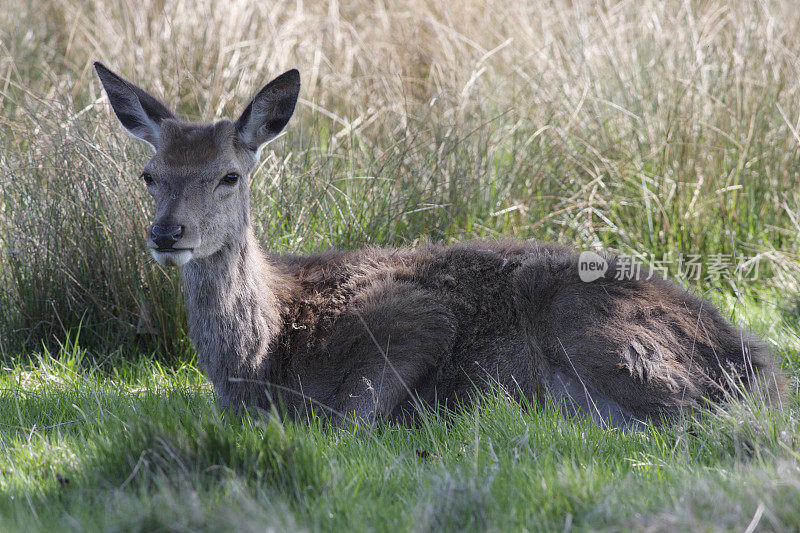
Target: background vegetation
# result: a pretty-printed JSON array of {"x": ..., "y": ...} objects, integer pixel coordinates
[{"x": 659, "y": 130}]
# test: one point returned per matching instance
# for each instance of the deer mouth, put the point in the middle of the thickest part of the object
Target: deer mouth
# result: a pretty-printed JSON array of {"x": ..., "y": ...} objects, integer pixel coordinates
[
  {"x": 172, "y": 250},
  {"x": 172, "y": 256}
]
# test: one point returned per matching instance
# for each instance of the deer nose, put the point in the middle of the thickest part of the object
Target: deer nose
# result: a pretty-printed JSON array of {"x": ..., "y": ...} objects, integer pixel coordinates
[{"x": 166, "y": 236}]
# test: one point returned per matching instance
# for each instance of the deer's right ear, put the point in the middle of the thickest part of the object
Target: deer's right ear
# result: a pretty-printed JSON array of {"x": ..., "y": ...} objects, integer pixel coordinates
[{"x": 138, "y": 111}]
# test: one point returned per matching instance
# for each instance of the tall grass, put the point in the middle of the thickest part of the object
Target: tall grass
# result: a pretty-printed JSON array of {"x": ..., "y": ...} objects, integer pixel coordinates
[{"x": 650, "y": 128}]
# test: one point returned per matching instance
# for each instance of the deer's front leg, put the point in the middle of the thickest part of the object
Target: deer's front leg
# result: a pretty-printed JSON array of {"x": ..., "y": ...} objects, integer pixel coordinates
[{"x": 393, "y": 335}]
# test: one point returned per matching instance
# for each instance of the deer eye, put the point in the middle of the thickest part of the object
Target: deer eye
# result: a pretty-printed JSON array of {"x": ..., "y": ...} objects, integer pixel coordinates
[
  {"x": 148, "y": 179},
  {"x": 231, "y": 178}
]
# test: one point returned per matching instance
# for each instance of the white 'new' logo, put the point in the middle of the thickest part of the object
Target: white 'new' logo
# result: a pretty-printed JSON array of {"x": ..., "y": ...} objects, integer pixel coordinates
[{"x": 591, "y": 266}]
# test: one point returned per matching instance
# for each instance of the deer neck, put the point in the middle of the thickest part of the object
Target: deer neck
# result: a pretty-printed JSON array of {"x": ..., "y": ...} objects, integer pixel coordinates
[{"x": 234, "y": 307}]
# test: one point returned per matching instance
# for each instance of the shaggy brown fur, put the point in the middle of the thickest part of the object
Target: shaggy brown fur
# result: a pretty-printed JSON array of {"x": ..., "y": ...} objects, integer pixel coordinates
[
  {"x": 378, "y": 332},
  {"x": 452, "y": 320}
]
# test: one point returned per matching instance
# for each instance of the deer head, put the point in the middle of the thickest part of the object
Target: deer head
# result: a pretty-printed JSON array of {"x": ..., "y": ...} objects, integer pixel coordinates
[{"x": 197, "y": 175}]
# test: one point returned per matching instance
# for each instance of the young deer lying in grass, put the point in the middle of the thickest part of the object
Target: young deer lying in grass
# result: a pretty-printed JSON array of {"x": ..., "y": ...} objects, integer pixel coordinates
[{"x": 377, "y": 332}]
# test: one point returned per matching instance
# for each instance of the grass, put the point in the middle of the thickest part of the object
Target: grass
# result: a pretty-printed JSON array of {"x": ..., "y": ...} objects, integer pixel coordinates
[
  {"x": 660, "y": 130},
  {"x": 136, "y": 446}
]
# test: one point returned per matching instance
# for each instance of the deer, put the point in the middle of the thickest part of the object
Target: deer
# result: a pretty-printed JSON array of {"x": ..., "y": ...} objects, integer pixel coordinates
[{"x": 381, "y": 334}]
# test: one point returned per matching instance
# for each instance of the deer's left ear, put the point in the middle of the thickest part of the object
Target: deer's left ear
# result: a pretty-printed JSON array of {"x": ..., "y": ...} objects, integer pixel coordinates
[
  {"x": 270, "y": 110},
  {"x": 138, "y": 111}
]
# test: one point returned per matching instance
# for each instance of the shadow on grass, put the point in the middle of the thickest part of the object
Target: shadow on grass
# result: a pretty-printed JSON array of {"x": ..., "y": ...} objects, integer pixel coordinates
[{"x": 135, "y": 454}]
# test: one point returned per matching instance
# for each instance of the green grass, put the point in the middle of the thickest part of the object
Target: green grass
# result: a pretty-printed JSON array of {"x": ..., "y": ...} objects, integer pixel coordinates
[
  {"x": 124, "y": 445},
  {"x": 109, "y": 443},
  {"x": 652, "y": 129}
]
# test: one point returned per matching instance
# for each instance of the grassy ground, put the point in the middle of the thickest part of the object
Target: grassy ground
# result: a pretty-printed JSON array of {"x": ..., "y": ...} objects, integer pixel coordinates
[
  {"x": 667, "y": 131},
  {"x": 136, "y": 446}
]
